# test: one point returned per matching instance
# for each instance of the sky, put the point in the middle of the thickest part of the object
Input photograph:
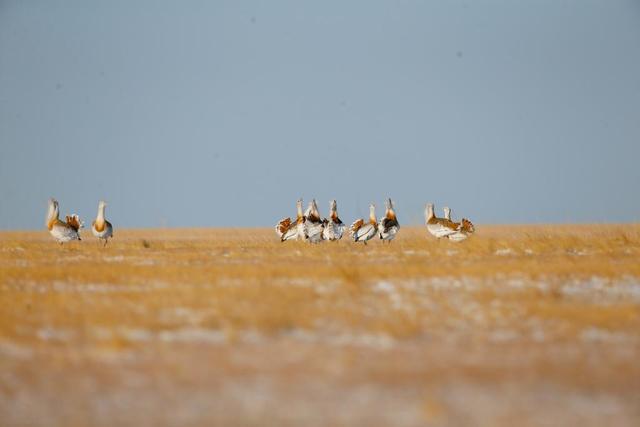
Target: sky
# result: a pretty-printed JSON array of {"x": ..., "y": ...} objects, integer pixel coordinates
[{"x": 223, "y": 113}]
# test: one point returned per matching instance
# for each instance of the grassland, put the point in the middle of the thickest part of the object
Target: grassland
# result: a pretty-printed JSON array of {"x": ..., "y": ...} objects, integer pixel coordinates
[{"x": 516, "y": 326}]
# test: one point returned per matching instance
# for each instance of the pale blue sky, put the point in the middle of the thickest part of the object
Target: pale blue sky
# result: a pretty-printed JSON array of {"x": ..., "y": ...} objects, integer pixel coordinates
[{"x": 223, "y": 113}]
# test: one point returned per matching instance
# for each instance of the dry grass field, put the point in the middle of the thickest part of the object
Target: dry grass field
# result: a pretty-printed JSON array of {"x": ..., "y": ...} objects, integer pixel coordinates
[{"x": 518, "y": 326}]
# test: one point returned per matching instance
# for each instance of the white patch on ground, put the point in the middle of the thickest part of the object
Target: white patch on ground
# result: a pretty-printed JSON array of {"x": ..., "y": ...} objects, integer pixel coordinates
[
  {"x": 54, "y": 334},
  {"x": 377, "y": 341},
  {"x": 578, "y": 252},
  {"x": 594, "y": 334},
  {"x": 538, "y": 335},
  {"x": 503, "y": 335},
  {"x": 9, "y": 349},
  {"x": 394, "y": 296},
  {"x": 88, "y": 288},
  {"x": 145, "y": 262},
  {"x": 326, "y": 288},
  {"x": 603, "y": 289},
  {"x": 135, "y": 335},
  {"x": 184, "y": 315},
  {"x": 101, "y": 334},
  {"x": 193, "y": 335},
  {"x": 505, "y": 252},
  {"x": 13, "y": 249},
  {"x": 386, "y": 287}
]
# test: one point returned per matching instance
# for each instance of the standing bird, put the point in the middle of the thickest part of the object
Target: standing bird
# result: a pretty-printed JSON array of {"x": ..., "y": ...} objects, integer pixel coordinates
[
  {"x": 101, "y": 228},
  {"x": 288, "y": 230},
  {"x": 439, "y": 227},
  {"x": 388, "y": 226},
  {"x": 333, "y": 227},
  {"x": 313, "y": 223},
  {"x": 62, "y": 231},
  {"x": 362, "y": 232}
]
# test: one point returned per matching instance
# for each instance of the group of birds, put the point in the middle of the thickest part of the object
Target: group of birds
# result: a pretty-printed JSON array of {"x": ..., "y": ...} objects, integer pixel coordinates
[
  {"x": 309, "y": 226},
  {"x": 68, "y": 230}
]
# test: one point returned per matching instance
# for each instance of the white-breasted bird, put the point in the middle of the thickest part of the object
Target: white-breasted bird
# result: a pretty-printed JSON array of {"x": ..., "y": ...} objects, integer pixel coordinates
[
  {"x": 62, "y": 231},
  {"x": 361, "y": 231},
  {"x": 439, "y": 227},
  {"x": 101, "y": 228},
  {"x": 333, "y": 226},
  {"x": 313, "y": 223},
  {"x": 388, "y": 226},
  {"x": 289, "y": 230}
]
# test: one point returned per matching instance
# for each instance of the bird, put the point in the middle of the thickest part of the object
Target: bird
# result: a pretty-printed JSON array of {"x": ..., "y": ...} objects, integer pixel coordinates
[
  {"x": 388, "y": 226},
  {"x": 289, "y": 230},
  {"x": 101, "y": 228},
  {"x": 465, "y": 229},
  {"x": 333, "y": 226},
  {"x": 439, "y": 227},
  {"x": 361, "y": 231},
  {"x": 62, "y": 231},
  {"x": 312, "y": 223}
]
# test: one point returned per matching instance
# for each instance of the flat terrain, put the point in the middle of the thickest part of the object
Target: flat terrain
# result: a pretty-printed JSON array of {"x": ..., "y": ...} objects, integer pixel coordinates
[{"x": 518, "y": 326}]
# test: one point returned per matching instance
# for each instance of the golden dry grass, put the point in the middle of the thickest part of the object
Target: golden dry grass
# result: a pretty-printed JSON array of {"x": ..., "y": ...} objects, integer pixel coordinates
[{"x": 518, "y": 325}]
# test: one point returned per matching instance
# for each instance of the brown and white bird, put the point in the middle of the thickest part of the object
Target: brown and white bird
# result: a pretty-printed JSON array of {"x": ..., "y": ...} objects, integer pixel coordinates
[
  {"x": 464, "y": 228},
  {"x": 62, "y": 231},
  {"x": 361, "y": 231},
  {"x": 388, "y": 226},
  {"x": 290, "y": 230},
  {"x": 313, "y": 223},
  {"x": 333, "y": 226},
  {"x": 101, "y": 228},
  {"x": 439, "y": 227}
]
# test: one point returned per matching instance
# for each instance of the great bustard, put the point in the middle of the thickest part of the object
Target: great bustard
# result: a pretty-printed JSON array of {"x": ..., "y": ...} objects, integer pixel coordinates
[
  {"x": 313, "y": 223},
  {"x": 388, "y": 226},
  {"x": 439, "y": 227},
  {"x": 361, "y": 231},
  {"x": 101, "y": 228},
  {"x": 333, "y": 226},
  {"x": 62, "y": 231},
  {"x": 290, "y": 230}
]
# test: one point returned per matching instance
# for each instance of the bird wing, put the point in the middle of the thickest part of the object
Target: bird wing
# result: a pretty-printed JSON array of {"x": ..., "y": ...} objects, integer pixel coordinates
[
  {"x": 283, "y": 226},
  {"x": 356, "y": 225},
  {"x": 364, "y": 231},
  {"x": 440, "y": 230}
]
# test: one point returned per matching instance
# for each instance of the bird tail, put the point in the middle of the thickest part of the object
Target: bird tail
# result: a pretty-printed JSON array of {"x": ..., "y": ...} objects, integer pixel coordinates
[{"x": 74, "y": 222}]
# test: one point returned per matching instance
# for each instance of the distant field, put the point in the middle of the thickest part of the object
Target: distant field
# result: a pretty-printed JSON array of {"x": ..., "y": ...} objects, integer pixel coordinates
[{"x": 518, "y": 326}]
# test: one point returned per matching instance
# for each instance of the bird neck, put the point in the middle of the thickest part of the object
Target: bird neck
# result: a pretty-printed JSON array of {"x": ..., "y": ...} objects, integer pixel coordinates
[{"x": 372, "y": 216}]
